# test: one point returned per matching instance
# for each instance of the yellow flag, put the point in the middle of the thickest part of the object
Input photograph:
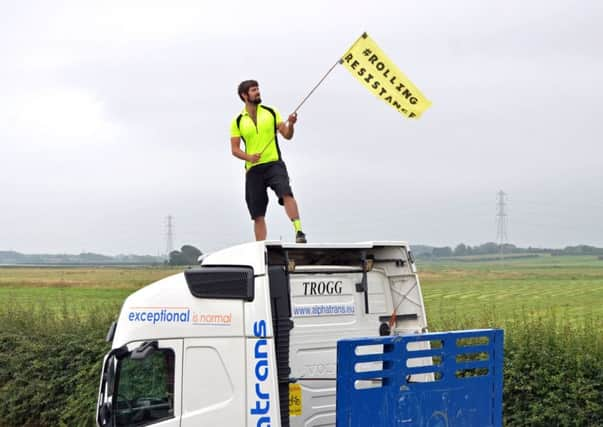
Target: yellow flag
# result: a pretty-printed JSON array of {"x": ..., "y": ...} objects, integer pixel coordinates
[{"x": 367, "y": 62}]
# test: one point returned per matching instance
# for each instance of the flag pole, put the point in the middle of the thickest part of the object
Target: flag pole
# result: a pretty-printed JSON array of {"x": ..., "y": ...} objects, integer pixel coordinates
[{"x": 339, "y": 61}]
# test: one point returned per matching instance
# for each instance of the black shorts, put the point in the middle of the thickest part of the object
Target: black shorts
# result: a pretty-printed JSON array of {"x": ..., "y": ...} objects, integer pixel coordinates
[{"x": 257, "y": 181}]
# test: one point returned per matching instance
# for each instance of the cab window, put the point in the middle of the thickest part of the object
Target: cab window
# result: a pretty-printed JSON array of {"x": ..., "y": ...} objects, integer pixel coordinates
[{"x": 145, "y": 389}]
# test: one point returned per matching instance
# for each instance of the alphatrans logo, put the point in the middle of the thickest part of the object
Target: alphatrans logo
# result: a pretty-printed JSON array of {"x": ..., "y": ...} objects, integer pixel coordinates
[
  {"x": 260, "y": 359},
  {"x": 154, "y": 315}
]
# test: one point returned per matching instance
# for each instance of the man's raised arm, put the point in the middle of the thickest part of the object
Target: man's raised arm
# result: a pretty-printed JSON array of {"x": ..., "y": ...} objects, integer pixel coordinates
[{"x": 286, "y": 128}]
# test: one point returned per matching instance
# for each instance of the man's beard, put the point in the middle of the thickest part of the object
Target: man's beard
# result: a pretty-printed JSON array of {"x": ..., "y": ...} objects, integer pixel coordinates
[{"x": 256, "y": 101}]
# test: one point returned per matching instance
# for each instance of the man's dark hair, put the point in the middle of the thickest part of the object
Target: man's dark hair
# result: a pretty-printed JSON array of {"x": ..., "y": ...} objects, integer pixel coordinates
[{"x": 244, "y": 87}]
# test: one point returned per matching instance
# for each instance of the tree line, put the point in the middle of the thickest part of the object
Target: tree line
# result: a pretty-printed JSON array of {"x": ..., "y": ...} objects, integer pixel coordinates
[{"x": 492, "y": 248}]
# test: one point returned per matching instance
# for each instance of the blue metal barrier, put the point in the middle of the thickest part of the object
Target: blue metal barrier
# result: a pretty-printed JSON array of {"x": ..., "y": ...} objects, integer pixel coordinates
[{"x": 434, "y": 380}]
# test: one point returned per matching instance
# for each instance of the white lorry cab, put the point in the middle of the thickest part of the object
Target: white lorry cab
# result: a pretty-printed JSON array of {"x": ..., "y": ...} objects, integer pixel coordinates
[{"x": 249, "y": 337}]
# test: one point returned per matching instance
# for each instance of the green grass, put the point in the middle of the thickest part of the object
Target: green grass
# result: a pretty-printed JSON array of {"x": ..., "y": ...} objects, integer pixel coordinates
[
  {"x": 79, "y": 289},
  {"x": 83, "y": 277},
  {"x": 467, "y": 293}
]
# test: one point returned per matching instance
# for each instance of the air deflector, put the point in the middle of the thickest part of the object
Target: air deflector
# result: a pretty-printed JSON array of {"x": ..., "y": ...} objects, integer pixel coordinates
[{"x": 221, "y": 282}]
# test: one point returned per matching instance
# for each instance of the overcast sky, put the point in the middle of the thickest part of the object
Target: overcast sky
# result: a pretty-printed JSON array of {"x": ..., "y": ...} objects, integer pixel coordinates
[{"x": 114, "y": 115}]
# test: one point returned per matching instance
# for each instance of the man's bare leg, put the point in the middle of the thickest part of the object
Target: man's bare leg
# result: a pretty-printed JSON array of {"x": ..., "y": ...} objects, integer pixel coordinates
[
  {"x": 259, "y": 227},
  {"x": 291, "y": 207}
]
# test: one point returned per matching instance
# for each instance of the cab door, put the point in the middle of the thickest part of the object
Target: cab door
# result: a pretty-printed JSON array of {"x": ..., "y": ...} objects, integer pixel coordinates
[{"x": 213, "y": 388}]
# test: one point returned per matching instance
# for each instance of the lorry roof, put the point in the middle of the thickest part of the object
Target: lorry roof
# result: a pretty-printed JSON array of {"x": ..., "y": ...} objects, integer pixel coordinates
[
  {"x": 254, "y": 253},
  {"x": 356, "y": 245}
]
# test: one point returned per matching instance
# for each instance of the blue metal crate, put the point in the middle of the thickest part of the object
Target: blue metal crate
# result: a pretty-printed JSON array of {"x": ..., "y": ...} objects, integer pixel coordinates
[{"x": 459, "y": 382}]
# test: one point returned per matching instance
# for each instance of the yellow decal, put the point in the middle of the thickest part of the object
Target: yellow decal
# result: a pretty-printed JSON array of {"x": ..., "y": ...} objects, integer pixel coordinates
[
  {"x": 295, "y": 400},
  {"x": 371, "y": 66}
]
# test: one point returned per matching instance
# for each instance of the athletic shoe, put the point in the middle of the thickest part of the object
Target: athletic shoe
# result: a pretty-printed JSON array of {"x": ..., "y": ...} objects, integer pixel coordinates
[{"x": 300, "y": 237}]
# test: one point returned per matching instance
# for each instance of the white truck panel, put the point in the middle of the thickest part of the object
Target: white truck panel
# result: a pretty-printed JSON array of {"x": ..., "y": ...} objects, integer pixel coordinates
[
  {"x": 251, "y": 254},
  {"x": 213, "y": 387},
  {"x": 166, "y": 309}
]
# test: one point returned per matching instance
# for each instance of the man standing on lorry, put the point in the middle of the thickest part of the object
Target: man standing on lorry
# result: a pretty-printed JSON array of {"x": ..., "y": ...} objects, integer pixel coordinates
[{"x": 257, "y": 126}]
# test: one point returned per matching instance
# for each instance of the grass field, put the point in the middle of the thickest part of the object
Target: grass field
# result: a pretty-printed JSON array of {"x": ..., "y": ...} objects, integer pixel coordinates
[
  {"x": 466, "y": 293},
  {"x": 461, "y": 293},
  {"x": 75, "y": 288}
]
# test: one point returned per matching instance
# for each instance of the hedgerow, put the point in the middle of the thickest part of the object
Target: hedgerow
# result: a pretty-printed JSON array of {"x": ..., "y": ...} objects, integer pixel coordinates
[{"x": 50, "y": 365}]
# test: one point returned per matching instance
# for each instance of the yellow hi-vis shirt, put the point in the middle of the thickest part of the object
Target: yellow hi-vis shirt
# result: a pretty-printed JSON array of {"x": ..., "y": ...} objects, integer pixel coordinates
[{"x": 261, "y": 138}]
